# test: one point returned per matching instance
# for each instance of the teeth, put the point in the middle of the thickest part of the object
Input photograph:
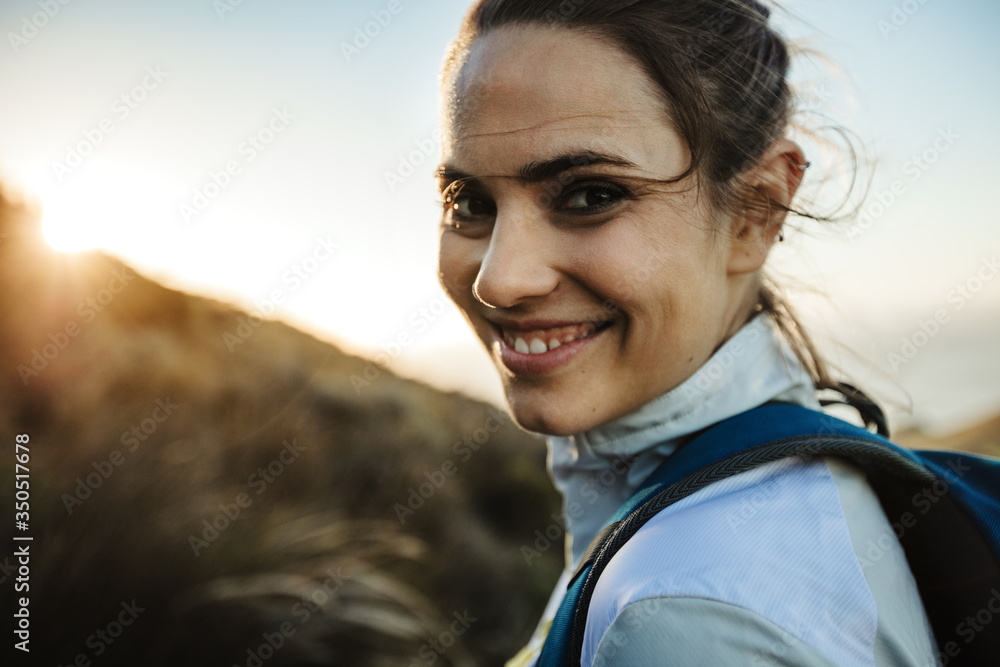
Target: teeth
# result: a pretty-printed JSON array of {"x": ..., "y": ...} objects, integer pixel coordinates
[{"x": 539, "y": 346}]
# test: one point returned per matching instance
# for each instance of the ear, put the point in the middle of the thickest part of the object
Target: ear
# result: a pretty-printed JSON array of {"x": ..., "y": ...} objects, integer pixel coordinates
[{"x": 775, "y": 179}]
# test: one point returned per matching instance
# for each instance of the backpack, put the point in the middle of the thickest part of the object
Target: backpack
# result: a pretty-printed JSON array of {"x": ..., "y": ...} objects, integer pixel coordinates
[{"x": 948, "y": 504}]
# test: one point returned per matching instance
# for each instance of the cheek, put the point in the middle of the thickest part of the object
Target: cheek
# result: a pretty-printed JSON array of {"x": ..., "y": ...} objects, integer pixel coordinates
[
  {"x": 458, "y": 266},
  {"x": 636, "y": 273},
  {"x": 663, "y": 283}
]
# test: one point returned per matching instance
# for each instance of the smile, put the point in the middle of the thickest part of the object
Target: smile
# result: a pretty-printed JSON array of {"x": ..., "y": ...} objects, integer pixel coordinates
[
  {"x": 543, "y": 340},
  {"x": 538, "y": 351}
]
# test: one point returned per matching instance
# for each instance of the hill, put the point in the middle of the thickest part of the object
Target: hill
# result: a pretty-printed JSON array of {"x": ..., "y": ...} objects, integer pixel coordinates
[
  {"x": 242, "y": 493},
  {"x": 228, "y": 477},
  {"x": 982, "y": 438}
]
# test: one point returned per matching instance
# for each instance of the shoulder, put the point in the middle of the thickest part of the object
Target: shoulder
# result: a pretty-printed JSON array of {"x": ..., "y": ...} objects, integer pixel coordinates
[
  {"x": 676, "y": 627},
  {"x": 771, "y": 544}
]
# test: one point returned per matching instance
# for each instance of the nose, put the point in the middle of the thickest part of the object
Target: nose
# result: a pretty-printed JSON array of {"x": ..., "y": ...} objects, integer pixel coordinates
[{"x": 518, "y": 264}]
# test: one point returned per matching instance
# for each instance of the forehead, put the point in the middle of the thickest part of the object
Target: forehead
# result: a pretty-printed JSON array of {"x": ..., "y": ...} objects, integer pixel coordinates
[{"x": 529, "y": 91}]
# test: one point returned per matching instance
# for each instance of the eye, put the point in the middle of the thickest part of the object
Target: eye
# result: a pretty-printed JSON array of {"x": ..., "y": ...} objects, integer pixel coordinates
[
  {"x": 468, "y": 212},
  {"x": 591, "y": 197},
  {"x": 471, "y": 206}
]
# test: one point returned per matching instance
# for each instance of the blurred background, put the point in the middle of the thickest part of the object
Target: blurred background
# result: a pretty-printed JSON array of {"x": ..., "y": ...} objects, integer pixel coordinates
[
  {"x": 228, "y": 205},
  {"x": 356, "y": 148}
]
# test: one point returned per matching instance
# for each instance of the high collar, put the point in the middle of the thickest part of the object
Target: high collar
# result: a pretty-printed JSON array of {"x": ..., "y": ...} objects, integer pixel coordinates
[{"x": 598, "y": 469}]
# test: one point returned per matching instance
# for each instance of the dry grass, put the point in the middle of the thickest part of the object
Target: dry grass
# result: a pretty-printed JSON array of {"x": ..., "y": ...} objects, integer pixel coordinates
[{"x": 330, "y": 509}]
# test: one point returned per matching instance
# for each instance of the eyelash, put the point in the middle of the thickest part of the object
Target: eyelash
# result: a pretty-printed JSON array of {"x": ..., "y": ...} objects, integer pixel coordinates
[
  {"x": 455, "y": 193},
  {"x": 617, "y": 192}
]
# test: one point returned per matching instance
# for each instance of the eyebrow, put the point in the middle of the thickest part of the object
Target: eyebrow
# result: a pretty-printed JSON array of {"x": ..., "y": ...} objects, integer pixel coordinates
[{"x": 543, "y": 170}]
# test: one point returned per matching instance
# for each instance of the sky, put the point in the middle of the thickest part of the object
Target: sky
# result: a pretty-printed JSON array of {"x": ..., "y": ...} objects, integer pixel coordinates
[{"x": 251, "y": 149}]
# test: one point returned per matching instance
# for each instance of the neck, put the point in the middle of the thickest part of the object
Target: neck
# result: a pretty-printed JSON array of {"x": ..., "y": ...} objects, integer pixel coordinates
[{"x": 600, "y": 468}]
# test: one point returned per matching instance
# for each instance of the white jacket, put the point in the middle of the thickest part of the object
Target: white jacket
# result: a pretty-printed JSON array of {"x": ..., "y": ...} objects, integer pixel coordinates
[{"x": 793, "y": 563}]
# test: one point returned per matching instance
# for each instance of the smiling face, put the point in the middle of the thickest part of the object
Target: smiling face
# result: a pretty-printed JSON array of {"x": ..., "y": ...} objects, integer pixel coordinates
[{"x": 593, "y": 288}]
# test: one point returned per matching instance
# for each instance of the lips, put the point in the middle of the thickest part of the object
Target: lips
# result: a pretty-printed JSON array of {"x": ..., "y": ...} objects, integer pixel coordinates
[
  {"x": 540, "y": 341},
  {"x": 539, "y": 347}
]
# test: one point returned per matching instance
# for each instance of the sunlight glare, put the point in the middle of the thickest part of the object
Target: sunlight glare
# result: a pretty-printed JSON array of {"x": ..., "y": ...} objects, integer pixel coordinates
[
  {"x": 69, "y": 230},
  {"x": 105, "y": 208}
]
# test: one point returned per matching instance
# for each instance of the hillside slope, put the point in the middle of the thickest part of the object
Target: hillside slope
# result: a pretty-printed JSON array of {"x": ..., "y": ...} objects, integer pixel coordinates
[
  {"x": 223, "y": 485},
  {"x": 235, "y": 479},
  {"x": 982, "y": 438}
]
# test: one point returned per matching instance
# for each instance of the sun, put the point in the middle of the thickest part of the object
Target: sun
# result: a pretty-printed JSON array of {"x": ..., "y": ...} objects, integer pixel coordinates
[
  {"x": 106, "y": 208},
  {"x": 70, "y": 229}
]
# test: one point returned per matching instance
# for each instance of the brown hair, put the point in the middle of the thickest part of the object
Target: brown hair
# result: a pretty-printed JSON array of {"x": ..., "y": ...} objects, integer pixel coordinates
[{"x": 722, "y": 71}]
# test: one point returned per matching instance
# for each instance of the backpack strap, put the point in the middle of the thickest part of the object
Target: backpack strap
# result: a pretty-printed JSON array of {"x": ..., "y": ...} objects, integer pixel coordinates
[{"x": 770, "y": 433}]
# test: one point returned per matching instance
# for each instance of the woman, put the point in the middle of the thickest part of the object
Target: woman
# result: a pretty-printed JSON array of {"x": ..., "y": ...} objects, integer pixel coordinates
[{"x": 614, "y": 175}]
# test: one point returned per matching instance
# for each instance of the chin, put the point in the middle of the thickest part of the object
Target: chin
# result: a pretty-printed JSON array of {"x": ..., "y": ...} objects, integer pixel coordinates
[{"x": 550, "y": 417}]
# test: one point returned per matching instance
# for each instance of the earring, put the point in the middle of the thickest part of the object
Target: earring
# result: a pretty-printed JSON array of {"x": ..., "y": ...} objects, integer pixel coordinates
[
  {"x": 781, "y": 235},
  {"x": 805, "y": 166}
]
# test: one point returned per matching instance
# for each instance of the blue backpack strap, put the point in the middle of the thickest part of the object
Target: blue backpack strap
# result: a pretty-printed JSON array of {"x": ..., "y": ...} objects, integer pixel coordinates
[
  {"x": 715, "y": 444},
  {"x": 974, "y": 481},
  {"x": 775, "y": 431}
]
